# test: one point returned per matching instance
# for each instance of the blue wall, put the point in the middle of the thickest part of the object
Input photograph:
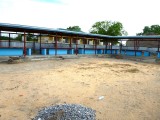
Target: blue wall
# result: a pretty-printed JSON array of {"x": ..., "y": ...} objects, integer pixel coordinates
[
  {"x": 109, "y": 51},
  {"x": 146, "y": 53},
  {"x": 59, "y": 51},
  {"x": 80, "y": 51},
  {"x": 86, "y": 51},
  {"x": 89, "y": 51},
  {"x": 139, "y": 53},
  {"x": 99, "y": 51},
  {"x": 11, "y": 51},
  {"x": 132, "y": 53},
  {"x": 123, "y": 52}
]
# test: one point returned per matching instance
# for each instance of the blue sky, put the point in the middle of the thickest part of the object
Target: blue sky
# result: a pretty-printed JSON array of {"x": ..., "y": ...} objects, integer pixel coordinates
[{"x": 133, "y": 14}]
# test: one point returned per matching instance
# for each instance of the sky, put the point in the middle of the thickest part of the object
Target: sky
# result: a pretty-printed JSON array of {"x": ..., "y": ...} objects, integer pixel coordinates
[{"x": 133, "y": 14}]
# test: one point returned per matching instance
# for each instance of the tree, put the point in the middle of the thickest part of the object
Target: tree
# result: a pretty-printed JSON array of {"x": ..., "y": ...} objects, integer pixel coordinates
[
  {"x": 19, "y": 37},
  {"x": 6, "y": 38},
  {"x": 108, "y": 28},
  {"x": 152, "y": 30},
  {"x": 30, "y": 37},
  {"x": 74, "y": 28}
]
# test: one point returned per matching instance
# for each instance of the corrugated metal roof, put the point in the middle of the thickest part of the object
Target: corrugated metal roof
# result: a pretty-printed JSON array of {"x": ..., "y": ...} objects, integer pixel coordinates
[
  {"x": 135, "y": 37},
  {"x": 22, "y": 28},
  {"x": 34, "y": 29}
]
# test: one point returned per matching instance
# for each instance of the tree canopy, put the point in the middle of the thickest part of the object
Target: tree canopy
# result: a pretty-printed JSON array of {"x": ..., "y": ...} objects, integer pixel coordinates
[
  {"x": 6, "y": 38},
  {"x": 30, "y": 37},
  {"x": 108, "y": 28},
  {"x": 74, "y": 28},
  {"x": 150, "y": 30}
]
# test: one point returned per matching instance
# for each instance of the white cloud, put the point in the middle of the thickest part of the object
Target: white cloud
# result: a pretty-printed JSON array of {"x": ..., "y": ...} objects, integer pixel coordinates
[{"x": 133, "y": 14}]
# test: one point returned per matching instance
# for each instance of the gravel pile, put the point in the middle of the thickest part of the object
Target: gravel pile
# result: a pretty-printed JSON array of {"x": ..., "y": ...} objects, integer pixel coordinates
[{"x": 66, "y": 112}]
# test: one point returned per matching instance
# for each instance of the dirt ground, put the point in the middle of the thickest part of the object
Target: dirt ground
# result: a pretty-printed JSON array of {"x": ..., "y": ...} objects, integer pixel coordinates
[{"x": 131, "y": 89}]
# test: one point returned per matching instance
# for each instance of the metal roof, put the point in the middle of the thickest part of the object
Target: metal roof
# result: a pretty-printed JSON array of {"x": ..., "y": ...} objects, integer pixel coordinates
[{"x": 43, "y": 30}]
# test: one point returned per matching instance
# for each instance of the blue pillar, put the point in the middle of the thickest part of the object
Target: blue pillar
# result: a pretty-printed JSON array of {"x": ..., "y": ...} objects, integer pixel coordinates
[
  {"x": 133, "y": 53},
  {"x": 71, "y": 51},
  {"x": 81, "y": 51},
  {"x": 130, "y": 53},
  {"x": 107, "y": 51},
  {"x": 89, "y": 51},
  {"x": 146, "y": 53},
  {"x": 116, "y": 51},
  {"x": 29, "y": 51},
  {"x": 123, "y": 52},
  {"x": 59, "y": 51},
  {"x": 158, "y": 54},
  {"x": 44, "y": 52},
  {"x": 99, "y": 51},
  {"x": 138, "y": 53}
]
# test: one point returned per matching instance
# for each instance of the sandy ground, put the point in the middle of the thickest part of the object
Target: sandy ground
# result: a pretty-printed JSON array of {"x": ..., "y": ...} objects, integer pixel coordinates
[{"x": 131, "y": 89}]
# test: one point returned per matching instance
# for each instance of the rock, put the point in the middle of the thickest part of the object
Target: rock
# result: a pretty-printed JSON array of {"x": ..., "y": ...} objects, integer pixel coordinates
[
  {"x": 14, "y": 60},
  {"x": 157, "y": 61},
  {"x": 66, "y": 112},
  {"x": 101, "y": 97}
]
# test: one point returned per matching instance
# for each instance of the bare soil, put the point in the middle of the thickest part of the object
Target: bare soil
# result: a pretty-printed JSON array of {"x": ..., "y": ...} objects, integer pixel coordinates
[{"x": 131, "y": 90}]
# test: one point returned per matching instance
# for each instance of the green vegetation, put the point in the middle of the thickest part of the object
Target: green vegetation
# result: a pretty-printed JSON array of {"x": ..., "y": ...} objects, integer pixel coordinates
[
  {"x": 30, "y": 37},
  {"x": 74, "y": 28},
  {"x": 6, "y": 38},
  {"x": 108, "y": 28},
  {"x": 150, "y": 30}
]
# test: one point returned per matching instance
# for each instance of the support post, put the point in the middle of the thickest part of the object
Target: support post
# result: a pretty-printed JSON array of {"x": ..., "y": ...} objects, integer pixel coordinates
[
  {"x": 76, "y": 46},
  {"x": 40, "y": 43},
  {"x": 84, "y": 46},
  {"x": 106, "y": 47},
  {"x": 24, "y": 48},
  {"x": 138, "y": 44},
  {"x": 9, "y": 43},
  {"x": 111, "y": 48},
  {"x": 56, "y": 45},
  {"x": 121, "y": 47},
  {"x": 135, "y": 47},
  {"x": 95, "y": 42},
  {"x": 70, "y": 45},
  {"x": 70, "y": 42},
  {"x": 34, "y": 47},
  {"x": 158, "y": 45},
  {"x": 0, "y": 38}
]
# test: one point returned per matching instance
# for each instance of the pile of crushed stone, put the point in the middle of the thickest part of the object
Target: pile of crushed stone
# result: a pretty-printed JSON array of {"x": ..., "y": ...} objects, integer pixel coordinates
[{"x": 66, "y": 112}]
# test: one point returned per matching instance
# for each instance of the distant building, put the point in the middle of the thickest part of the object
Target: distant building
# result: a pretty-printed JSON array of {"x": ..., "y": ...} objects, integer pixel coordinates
[
  {"x": 145, "y": 43},
  {"x": 51, "y": 39}
]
